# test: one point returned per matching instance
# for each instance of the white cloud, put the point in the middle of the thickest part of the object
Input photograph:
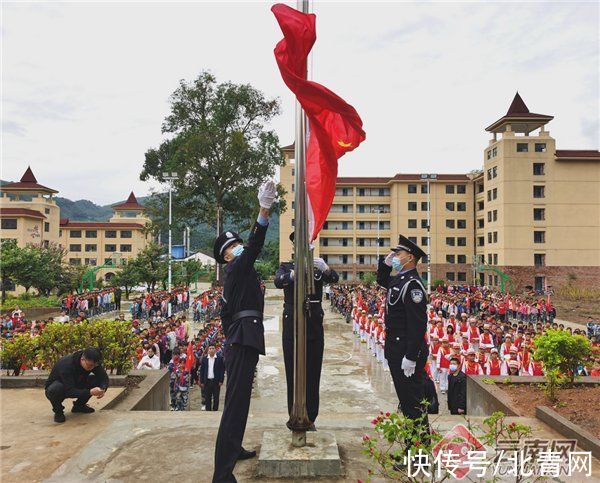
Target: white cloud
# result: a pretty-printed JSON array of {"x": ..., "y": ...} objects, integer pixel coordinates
[{"x": 86, "y": 86}]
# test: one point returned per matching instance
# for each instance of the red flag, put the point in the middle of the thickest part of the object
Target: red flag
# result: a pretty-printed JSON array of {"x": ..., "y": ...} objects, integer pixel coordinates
[
  {"x": 335, "y": 126},
  {"x": 190, "y": 358}
]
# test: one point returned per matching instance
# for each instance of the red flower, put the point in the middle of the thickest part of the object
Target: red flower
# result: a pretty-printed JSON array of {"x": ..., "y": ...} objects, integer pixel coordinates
[
  {"x": 387, "y": 415},
  {"x": 365, "y": 438},
  {"x": 375, "y": 421},
  {"x": 417, "y": 443}
]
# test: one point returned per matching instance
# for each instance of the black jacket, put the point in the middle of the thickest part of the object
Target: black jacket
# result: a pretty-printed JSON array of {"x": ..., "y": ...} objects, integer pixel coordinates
[
  {"x": 405, "y": 314},
  {"x": 74, "y": 378},
  {"x": 218, "y": 369},
  {"x": 283, "y": 279},
  {"x": 242, "y": 291},
  {"x": 457, "y": 392}
]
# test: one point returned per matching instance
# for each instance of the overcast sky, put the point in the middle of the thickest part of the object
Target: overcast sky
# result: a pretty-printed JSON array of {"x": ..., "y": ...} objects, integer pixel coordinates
[{"x": 85, "y": 87}]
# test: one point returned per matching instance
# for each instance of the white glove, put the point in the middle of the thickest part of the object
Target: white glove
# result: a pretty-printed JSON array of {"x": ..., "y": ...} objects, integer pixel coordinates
[
  {"x": 320, "y": 264},
  {"x": 291, "y": 275},
  {"x": 408, "y": 366},
  {"x": 388, "y": 259},
  {"x": 266, "y": 194}
]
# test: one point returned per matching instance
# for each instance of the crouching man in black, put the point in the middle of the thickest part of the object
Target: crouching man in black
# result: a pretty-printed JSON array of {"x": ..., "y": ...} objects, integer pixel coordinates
[{"x": 80, "y": 376}]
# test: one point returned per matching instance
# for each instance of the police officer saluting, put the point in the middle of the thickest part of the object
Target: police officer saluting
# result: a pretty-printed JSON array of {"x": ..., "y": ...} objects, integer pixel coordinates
[
  {"x": 405, "y": 323},
  {"x": 242, "y": 319},
  {"x": 284, "y": 278}
]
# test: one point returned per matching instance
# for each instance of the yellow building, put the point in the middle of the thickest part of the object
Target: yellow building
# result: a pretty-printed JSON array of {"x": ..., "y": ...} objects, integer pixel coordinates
[
  {"x": 29, "y": 214},
  {"x": 533, "y": 212}
]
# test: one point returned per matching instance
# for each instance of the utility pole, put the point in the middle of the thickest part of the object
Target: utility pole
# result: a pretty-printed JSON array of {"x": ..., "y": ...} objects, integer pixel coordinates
[
  {"x": 429, "y": 177},
  {"x": 170, "y": 178}
]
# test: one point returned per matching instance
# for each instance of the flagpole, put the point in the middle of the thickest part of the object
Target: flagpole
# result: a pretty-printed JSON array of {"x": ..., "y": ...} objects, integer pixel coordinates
[{"x": 299, "y": 421}]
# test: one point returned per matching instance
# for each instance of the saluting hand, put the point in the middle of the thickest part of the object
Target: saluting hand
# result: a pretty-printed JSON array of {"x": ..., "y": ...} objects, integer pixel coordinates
[{"x": 388, "y": 259}]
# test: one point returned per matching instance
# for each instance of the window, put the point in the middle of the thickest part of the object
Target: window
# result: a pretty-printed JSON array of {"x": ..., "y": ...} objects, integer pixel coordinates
[
  {"x": 424, "y": 260},
  {"x": 424, "y": 188},
  {"x": 489, "y": 195},
  {"x": 9, "y": 224},
  {"x": 494, "y": 171},
  {"x": 110, "y": 248},
  {"x": 489, "y": 154},
  {"x": 450, "y": 276},
  {"x": 344, "y": 242},
  {"x": 412, "y": 206},
  {"x": 90, "y": 248},
  {"x": 424, "y": 241},
  {"x": 495, "y": 215},
  {"x": 423, "y": 205},
  {"x": 461, "y": 259},
  {"x": 449, "y": 223},
  {"x": 293, "y": 187},
  {"x": 74, "y": 248},
  {"x": 413, "y": 239},
  {"x": 126, "y": 248},
  {"x": 424, "y": 223},
  {"x": 91, "y": 233},
  {"x": 46, "y": 226},
  {"x": 538, "y": 169},
  {"x": 539, "y": 237},
  {"x": 450, "y": 259},
  {"x": 74, "y": 261},
  {"x": 461, "y": 276},
  {"x": 480, "y": 241},
  {"x": 495, "y": 193},
  {"x": 450, "y": 241},
  {"x": 361, "y": 192},
  {"x": 480, "y": 188},
  {"x": 539, "y": 192},
  {"x": 461, "y": 189},
  {"x": 449, "y": 189},
  {"x": 494, "y": 152},
  {"x": 540, "y": 147},
  {"x": 75, "y": 233},
  {"x": 126, "y": 234},
  {"x": 489, "y": 237},
  {"x": 480, "y": 223},
  {"x": 461, "y": 224},
  {"x": 325, "y": 241},
  {"x": 522, "y": 147},
  {"x": 539, "y": 259},
  {"x": 495, "y": 259},
  {"x": 90, "y": 261},
  {"x": 412, "y": 188},
  {"x": 110, "y": 234},
  {"x": 479, "y": 205},
  {"x": 495, "y": 237},
  {"x": 412, "y": 223},
  {"x": 489, "y": 174},
  {"x": 489, "y": 258},
  {"x": 47, "y": 211},
  {"x": 489, "y": 216},
  {"x": 450, "y": 206},
  {"x": 539, "y": 214},
  {"x": 540, "y": 283},
  {"x": 461, "y": 241},
  {"x": 461, "y": 206}
]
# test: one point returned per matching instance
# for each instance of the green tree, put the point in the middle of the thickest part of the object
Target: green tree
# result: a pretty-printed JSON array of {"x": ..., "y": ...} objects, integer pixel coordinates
[
  {"x": 70, "y": 278},
  {"x": 10, "y": 264},
  {"x": 127, "y": 277},
  {"x": 221, "y": 149},
  {"x": 561, "y": 351},
  {"x": 369, "y": 279},
  {"x": 151, "y": 266},
  {"x": 48, "y": 267}
]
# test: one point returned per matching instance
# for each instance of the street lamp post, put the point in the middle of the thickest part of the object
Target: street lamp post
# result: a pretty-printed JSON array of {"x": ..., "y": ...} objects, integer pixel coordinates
[
  {"x": 170, "y": 177},
  {"x": 429, "y": 177}
]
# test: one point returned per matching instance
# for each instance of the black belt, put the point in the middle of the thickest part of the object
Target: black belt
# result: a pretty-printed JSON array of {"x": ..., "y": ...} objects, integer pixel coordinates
[{"x": 247, "y": 313}]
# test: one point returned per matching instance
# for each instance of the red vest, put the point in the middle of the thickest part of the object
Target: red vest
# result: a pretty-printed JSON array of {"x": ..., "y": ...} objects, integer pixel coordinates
[
  {"x": 494, "y": 367},
  {"x": 471, "y": 368}
]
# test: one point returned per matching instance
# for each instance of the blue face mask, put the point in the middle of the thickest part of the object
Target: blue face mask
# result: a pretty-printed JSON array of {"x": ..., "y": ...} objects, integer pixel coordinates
[
  {"x": 396, "y": 264},
  {"x": 237, "y": 250}
]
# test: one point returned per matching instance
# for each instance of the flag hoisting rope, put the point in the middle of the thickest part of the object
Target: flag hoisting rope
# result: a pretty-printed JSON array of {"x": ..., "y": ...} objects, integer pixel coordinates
[{"x": 335, "y": 128}]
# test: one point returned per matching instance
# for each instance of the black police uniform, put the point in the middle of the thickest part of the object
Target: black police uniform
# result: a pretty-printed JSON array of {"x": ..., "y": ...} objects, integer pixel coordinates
[
  {"x": 68, "y": 379},
  {"x": 405, "y": 325},
  {"x": 242, "y": 320},
  {"x": 314, "y": 335}
]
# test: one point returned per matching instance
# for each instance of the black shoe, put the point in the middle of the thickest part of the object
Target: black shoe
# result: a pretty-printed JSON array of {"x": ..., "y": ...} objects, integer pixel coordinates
[
  {"x": 82, "y": 409},
  {"x": 59, "y": 417},
  {"x": 312, "y": 427},
  {"x": 245, "y": 454}
]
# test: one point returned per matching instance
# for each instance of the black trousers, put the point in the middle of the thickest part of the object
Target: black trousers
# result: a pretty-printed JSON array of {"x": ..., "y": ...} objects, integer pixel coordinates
[
  {"x": 55, "y": 393},
  {"x": 240, "y": 363},
  {"x": 211, "y": 394},
  {"x": 314, "y": 363},
  {"x": 410, "y": 390}
]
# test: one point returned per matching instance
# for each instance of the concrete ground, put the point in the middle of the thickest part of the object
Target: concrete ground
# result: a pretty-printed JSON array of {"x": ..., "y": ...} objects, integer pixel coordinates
[{"x": 178, "y": 446}]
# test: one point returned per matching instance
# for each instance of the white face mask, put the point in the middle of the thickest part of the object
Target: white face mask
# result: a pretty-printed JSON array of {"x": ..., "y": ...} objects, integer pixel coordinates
[{"x": 453, "y": 367}]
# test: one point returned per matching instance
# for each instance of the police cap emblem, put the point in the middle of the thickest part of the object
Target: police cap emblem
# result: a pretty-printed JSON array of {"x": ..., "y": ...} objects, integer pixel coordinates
[
  {"x": 416, "y": 295},
  {"x": 228, "y": 234}
]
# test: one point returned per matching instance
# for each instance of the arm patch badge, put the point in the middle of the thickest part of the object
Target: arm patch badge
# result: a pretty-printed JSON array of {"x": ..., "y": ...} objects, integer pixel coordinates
[{"x": 416, "y": 295}]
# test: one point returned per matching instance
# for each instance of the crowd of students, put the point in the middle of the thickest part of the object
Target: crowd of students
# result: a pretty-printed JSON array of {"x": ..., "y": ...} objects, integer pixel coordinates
[
  {"x": 207, "y": 305},
  {"x": 92, "y": 303},
  {"x": 480, "y": 331},
  {"x": 155, "y": 305}
]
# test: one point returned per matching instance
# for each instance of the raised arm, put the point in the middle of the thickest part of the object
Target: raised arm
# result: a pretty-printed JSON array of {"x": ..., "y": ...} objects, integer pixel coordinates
[{"x": 384, "y": 269}]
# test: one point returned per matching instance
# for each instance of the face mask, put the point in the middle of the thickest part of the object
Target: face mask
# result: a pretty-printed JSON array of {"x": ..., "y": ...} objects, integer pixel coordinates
[
  {"x": 237, "y": 250},
  {"x": 453, "y": 367},
  {"x": 397, "y": 264}
]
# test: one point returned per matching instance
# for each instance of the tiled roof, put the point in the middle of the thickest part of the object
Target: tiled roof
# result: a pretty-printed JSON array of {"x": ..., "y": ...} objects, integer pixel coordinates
[
  {"x": 518, "y": 110},
  {"x": 130, "y": 204},
  {"x": 66, "y": 223},
  {"x": 399, "y": 177},
  {"x": 577, "y": 153},
  {"x": 28, "y": 182},
  {"x": 5, "y": 212}
]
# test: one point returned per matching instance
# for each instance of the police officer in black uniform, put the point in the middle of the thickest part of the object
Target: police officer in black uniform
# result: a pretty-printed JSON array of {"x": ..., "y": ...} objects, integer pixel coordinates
[
  {"x": 242, "y": 319},
  {"x": 405, "y": 323},
  {"x": 284, "y": 278}
]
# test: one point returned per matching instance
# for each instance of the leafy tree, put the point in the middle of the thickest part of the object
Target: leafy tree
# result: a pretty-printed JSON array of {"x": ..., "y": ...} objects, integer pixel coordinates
[
  {"x": 221, "y": 149},
  {"x": 558, "y": 349},
  {"x": 48, "y": 266},
  {"x": 127, "y": 277},
  {"x": 151, "y": 265},
  {"x": 70, "y": 278},
  {"x": 370, "y": 278},
  {"x": 10, "y": 263}
]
